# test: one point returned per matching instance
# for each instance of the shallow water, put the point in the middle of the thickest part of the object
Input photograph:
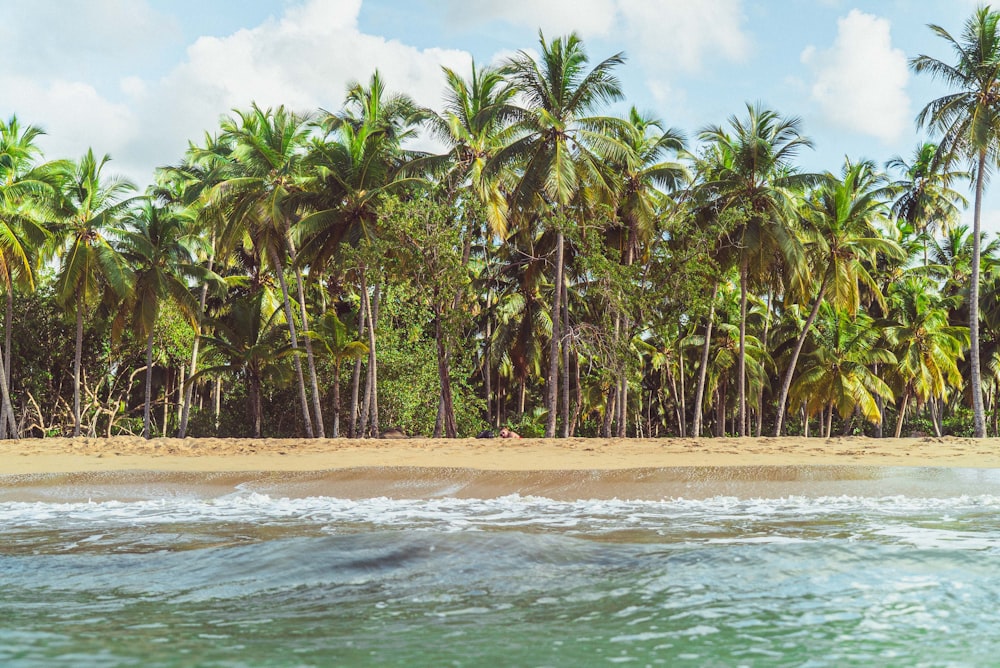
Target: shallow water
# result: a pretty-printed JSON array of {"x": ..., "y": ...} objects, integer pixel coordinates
[{"x": 803, "y": 567}]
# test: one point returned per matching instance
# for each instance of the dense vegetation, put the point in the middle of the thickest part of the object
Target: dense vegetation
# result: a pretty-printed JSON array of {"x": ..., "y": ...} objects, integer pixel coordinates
[{"x": 555, "y": 270}]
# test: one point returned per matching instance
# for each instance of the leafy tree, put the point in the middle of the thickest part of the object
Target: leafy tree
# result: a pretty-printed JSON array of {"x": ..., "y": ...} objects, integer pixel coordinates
[
  {"x": 969, "y": 121},
  {"x": 927, "y": 346},
  {"x": 752, "y": 169},
  {"x": 838, "y": 374},
  {"x": 91, "y": 269},
  {"x": 266, "y": 154},
  {"x": 839, "y": 225},
  {"x": 27, "y": 190},
  {"x": 926, "y": 199},
  {"x": 153, "y": 244},
  {"x": 558, "y": 145},
  {"x": 332, "y": 337}
]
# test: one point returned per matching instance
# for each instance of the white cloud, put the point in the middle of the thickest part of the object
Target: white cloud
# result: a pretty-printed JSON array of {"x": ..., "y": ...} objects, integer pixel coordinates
[
  {"x": 589, "y": 18},
  {"x": 74, "y": 115},
  {"x": 304, "y": 60},
  {"x": 679, "y": 35},
  {"x": 860, "y": 82}
]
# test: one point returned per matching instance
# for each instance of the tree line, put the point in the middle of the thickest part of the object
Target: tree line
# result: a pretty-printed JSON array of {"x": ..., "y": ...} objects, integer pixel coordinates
[{"x": 552, "y": 269}]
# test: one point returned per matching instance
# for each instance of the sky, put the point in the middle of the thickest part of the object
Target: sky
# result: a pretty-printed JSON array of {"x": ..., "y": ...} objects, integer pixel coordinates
[{"x": 139, "y": 79}]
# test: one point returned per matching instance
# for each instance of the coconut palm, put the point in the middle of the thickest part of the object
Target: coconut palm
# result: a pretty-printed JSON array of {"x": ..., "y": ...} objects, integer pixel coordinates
[
  {"x": 267, "y": 149},
  {"x": 969, "y": 121},
  {"x": 189, "y": 188},
  {"x": 926, "y": 199},
  {"x": 91, "y": 269},
  {"x": 839, "y": 228},
  {"x": 252, "y": 348},
  {"x": 647, "y": 177},
  {"x": 155, "y": 243},
  {"x": 347, "y": 173},
  {"x": 27, "y": 189},
  {"x": 474, "y": 125},
  {"x": 751, "y": 169},
  {"x": 332, "y": 337},
  {"x": 927, "y": 346},
  {"x": 557, "y": 146},
  {"x": 837, "y": 373}
]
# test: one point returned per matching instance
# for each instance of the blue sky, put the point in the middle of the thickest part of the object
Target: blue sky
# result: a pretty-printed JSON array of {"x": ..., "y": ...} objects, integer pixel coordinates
[{"x": 139, "y": 78}]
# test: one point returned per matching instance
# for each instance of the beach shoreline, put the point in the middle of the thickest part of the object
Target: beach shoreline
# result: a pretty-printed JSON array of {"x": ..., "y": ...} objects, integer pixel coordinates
[{"x": 216, "y": 455}]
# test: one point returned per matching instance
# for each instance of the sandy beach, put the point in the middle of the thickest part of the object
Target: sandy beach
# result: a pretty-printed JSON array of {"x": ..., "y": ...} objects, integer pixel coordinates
[{"x": 63, "y": 455}]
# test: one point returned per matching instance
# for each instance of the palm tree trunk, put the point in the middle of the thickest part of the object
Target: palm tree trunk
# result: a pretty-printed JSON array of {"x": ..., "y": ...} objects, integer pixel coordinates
[
  {"x": 578, "y": 396},
  {"x": 336, "y": 399},
  {"x": 356, "y": 376},
  {"x": 180, "y": 393},
  {"x": 552, "y": 395},
  {"x": 786, "y": 383},
  {"x": 369, "y": 407},
  {"x": 609, "y": 411},
  {"x": 189, "y": 389},
  {"x": 767, "y": 330},
  {"x": 316, "y": 404},
  {"x": 218, "y": 402},
  {"x": 310, "y": 359},
  {"x": 256, "y": 405},
  {"x": 372, "y": 320},
  {"x": 147, "y": 405},
  {"x": 166, "y": 399},
  {"x": 902, "y": 413},
  {"x": 8, "y": 330},
  {"x": 829, "y": 422},
  {"x": 976, "y": 382},
  {"x": 880, "y": 403},
  {"x": 286, "y": 302},
  {"x": 564, "y": 409},
  {"x": 7, "y": 419},
  {"x": 934, "y": 408},
  {"x": 683, "y": 425},
  {"x": 77, "y": 361},
  {"x": 622, "y": 405},
  {"x": 741, "y": 367},
  {"x": 447, "y": 408},
  {"x": 699, "y": 392},
  {"x": 488, "y": 371}
]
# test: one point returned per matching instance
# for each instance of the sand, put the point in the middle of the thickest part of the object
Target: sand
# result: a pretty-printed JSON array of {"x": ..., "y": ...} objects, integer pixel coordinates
[{"x": 63, "y": 455}]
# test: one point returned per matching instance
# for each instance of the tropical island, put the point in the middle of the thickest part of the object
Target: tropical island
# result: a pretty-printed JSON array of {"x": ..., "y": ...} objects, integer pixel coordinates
[{"x": 554, "y": 269}]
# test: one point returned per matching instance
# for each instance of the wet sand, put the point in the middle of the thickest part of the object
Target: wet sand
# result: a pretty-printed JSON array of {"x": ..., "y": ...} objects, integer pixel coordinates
[
  {"x": 208, "y": 455},
  {"x": 128, "y": 468}
]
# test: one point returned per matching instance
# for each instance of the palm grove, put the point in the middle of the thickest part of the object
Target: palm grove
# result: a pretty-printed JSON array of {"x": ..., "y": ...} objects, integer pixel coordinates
[{"x": 553, "y": 269}]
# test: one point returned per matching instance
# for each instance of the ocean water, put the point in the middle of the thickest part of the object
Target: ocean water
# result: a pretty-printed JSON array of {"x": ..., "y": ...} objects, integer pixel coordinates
[{"x": 695, "y": 567}]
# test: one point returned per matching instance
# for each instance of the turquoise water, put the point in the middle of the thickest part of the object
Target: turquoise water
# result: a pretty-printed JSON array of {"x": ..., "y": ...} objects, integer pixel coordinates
[{"x": 186, "y": 572}]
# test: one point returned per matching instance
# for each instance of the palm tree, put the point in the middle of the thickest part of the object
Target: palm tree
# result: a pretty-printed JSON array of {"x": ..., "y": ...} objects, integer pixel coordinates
[
  {"x": 969, "y": 121},
  {"x": 838, "y": 371},
  {"x": 839, "y": 227},
  {"x": 266, "y": 155},
  {"x": 347, "y": 173},
  {"x": 154, "y": 244},
  {"x": 474, "y": 125},
  {"x": 557, "y": 146},
  {"x": 91, "y": 269},
  {"x": 251, "y": 347},
  {"x": 331, "y": 335},
  {"x": 752, "y": 170},
  {"x": 647, "y": 177},
  {"x": 926, "y": 199},
  {"x": 27, "y": 190},
  {"x": 189, "y": 187},
  {"x": 927, "y": 346}
]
